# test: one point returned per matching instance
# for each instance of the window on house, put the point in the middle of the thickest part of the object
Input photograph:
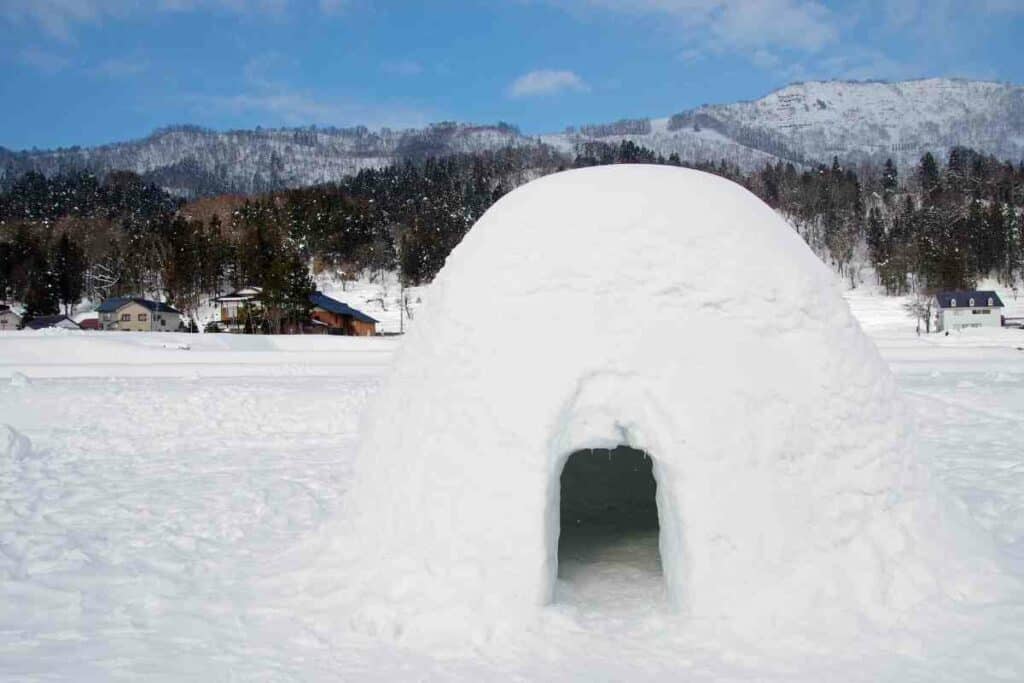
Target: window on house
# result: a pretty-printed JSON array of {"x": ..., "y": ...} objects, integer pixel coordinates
[
  {"x": 970, "y": 302},
  {"x": 952, "y": 303},
  {"x": 990, "y": 302},
  {"x": 981, "y": 311},
  {"x": 163, "y": 323},
  {"x": 126, "y": 317},
  {"x": 143, "y": 317}
]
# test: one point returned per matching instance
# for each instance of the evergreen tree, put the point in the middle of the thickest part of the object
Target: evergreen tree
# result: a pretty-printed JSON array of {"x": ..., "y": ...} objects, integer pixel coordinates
[
  {"x": 929, "y": 178},
  {"x": 286, "y": 289},
  {"x": 69, "y": 272},
  {"x": 6, "y": 269},
  {"x": 991, "y": 252},
  {"x": 41, "y": 297},
  {"x": 890, "y": 178}
]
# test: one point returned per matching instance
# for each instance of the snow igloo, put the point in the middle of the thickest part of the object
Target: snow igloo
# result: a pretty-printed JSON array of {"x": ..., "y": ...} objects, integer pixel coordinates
[{"x": 660, "y": 311}]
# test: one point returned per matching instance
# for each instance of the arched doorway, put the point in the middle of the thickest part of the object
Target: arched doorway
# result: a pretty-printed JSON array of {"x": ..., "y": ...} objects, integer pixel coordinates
[{"x": 608, "y": 553}]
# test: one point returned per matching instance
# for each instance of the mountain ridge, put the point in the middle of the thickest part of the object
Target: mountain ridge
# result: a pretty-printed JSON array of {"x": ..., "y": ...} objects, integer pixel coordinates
[{"x": 804, "y": 123}]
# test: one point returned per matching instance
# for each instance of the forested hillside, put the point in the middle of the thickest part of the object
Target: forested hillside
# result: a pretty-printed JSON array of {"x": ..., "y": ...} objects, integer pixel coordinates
[{"x": 943, "y": 225}]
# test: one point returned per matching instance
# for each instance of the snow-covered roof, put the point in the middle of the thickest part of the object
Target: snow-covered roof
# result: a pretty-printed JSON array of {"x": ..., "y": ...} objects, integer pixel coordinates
[
  {"x": 85, "y": 315},
  {"x": 243, "y": 294},
  {"x": 44, "y": 321},
  {"x": 963, "y": 299}
]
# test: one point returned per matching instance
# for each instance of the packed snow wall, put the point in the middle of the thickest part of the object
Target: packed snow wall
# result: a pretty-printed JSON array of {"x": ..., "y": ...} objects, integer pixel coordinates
[{"x": 670, "y": 311}]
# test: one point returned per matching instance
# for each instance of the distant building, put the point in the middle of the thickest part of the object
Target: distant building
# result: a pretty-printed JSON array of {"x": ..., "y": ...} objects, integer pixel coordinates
[
  {"x": 9, "y": 319},
  {"x": 88, "y": 320},
  {"x": 135, "y": 314},
  {"x": 339, "y": 318},
  {"x": 238, "y": 307},
  {"x": 44, "y": 321},
  {"x": 960, "y": 310},
  {"x": 107, "y": 310}
]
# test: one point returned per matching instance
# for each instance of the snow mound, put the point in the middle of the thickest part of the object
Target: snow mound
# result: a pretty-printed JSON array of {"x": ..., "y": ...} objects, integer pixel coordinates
[
  {"x": 673, "y": 312},
  {"x": 14, "y": 446}
]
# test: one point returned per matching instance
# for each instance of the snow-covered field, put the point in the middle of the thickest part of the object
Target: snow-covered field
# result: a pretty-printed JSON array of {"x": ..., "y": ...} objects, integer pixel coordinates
[{"x": 151, "y": 483}]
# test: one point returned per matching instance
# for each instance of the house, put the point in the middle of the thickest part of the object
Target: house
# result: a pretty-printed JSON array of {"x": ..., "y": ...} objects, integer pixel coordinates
[
  {"x": 237, "y": 306},
  {"x": 963, "y": 309},
  {"x": 9, "y": 318},
  {"x": 135, "y": 314},
  {"x": 336, "y": 317},
  {"x": 108, "y": 309},
  {"x": 88, "y": 320},
  {"x": 44, "y": 321}
]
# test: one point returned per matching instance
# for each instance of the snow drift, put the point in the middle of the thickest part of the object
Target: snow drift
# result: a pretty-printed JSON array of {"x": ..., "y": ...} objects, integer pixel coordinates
[{"x": 672, "y": 312}]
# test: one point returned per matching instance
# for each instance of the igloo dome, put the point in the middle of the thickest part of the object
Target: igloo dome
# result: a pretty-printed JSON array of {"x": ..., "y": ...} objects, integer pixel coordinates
[{"x": 669, "y": 312}]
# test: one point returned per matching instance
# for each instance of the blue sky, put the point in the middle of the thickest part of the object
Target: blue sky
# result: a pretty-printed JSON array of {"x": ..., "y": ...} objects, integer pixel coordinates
[{"x": 92, "y": 71}]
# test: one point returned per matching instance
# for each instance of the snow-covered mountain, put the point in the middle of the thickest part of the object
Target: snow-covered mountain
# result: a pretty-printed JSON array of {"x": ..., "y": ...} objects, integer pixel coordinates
[
  {"x": 862, "y": 121},
  {"x": 855, "y": 121},
  {"x": 189, "y": 160},
  {"x": 804, "y": 123}
]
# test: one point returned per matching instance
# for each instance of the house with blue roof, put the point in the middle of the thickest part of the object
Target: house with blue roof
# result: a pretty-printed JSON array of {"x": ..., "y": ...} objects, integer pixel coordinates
[
  {"x": 961, "y": 310},
  {"x": 42, "y": 322},
  {"x": 334, "y": 317},
  {"x": 135, "y": 314}
]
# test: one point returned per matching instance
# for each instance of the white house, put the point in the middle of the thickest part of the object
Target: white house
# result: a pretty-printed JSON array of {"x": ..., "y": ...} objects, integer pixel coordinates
[
  {"x": 962, "y": 309},
  {"x": 138, "y": 315},
  {"x": 9, "y": 319}
]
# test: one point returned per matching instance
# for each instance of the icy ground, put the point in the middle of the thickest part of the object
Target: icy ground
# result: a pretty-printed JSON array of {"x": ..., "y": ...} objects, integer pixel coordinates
[{"x": 145, "y": 479}]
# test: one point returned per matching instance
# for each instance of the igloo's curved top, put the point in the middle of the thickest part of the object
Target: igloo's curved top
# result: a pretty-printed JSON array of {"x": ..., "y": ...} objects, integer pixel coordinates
[{"x": 665, "y": 309}]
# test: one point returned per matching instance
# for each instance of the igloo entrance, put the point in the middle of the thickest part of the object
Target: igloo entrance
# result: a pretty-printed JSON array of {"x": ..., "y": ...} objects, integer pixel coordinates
[{"x": 609, "y": 531}]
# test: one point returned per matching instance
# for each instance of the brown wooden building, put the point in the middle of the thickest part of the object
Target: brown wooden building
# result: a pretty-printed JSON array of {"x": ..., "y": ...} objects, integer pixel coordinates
[{"x": 335, "y": 317}]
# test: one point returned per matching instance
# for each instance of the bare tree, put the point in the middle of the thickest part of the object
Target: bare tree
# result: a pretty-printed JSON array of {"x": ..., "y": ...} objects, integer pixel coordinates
[
  {"x": 920, "y": 308},
  {"x": 101, "y": 278}
]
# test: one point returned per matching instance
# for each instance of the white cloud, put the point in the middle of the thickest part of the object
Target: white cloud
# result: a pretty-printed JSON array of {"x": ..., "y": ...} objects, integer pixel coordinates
[
  {"x": 754, "y": 28},
  {"x": 546, "y": 82},
  {"x": 267, "y": 94},
  {"x": 240, "y": 6},
  {"x": 43, "y": 61},
  {"x": 793, "y": 24},
  {"x": 798, "y": 38},
  {"x": 57, "y": 18},
  {"x": 765, "y": 59},
  {"x": 294, "y": 108},
  {"x": 60, "y": 18},
  {"x": 745, "y": 25}
]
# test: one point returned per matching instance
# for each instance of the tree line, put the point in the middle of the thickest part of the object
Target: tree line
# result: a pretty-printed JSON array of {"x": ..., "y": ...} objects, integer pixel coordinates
[{"x": 943, "y": 226}]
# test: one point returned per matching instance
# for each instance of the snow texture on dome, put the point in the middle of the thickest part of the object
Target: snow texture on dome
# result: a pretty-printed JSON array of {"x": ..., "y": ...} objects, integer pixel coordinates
[{"x": 671, "y": 311}]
